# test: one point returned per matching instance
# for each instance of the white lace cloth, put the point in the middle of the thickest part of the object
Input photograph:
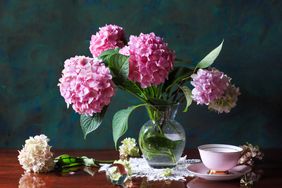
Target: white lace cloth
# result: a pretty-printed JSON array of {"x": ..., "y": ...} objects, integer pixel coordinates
[{"x": 140, "y": 168}]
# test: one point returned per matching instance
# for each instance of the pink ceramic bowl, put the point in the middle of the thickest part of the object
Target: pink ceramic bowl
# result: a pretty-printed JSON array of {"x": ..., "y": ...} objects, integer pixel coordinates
[{"x": 220, "y": 157}]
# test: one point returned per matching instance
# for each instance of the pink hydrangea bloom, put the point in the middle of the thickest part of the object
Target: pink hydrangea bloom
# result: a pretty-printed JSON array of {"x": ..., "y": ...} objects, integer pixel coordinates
[
  {"x": 150, "y": 59},
  {"x": 124, "y": 51},
  {"x": 209, "y": 85},
  {"x": 108, "y": 37},
  {"x": 227, "y": 101},
  {"x": 86, "y": 83}
]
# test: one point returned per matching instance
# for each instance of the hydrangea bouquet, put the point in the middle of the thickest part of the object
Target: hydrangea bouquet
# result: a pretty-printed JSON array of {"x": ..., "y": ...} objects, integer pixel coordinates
[{"x": 146, "y": 68}]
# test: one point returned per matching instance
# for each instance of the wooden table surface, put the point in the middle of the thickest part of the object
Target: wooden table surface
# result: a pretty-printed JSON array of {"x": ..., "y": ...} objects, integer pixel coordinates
[{"x": 11, "y": 173}]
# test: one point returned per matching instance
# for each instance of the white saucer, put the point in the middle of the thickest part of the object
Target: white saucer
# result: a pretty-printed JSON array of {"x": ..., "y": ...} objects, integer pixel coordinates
[{"x": 201, "y": 171}]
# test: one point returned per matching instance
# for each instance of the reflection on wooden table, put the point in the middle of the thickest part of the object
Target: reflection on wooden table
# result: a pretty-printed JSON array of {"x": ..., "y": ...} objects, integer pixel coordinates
[{"x": 12, "y": 175}]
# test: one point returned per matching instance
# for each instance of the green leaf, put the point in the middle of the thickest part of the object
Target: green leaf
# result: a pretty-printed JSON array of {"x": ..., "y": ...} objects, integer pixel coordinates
[
  {"x": 66, "y": 161},
  {"x": 209, "y": 59},
  {"x": 88, "y": 161},
  {"x": 108, "y": 53},
  {"x": 131, "y": 86},
  {"x": 117, "y": 63},
  {"x": 175, "y": 76},
  {"x": 156, "y": 145},
  {"x": 91, "y": 123},
  {"x": 155, "y": 101},
  {"x": 120, "y": 122},
  {"x": 119, "y": 66},
  {"x": 188, "y": 96}
]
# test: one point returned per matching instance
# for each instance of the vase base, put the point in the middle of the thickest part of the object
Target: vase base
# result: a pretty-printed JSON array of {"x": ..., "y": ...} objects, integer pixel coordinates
[{"x": 160, "y": 166}]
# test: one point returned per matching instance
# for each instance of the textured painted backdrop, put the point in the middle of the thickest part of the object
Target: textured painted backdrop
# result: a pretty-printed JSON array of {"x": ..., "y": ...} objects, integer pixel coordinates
[{"x": 37, "y": 36}]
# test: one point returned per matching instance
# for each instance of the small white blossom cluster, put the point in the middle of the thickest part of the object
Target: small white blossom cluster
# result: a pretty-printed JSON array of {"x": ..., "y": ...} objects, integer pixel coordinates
[
  {"x": 35, "y": 155},
  {"x": 167, "y": 172},
  {"x": 250, "y": 153},
  {"x": 128, "y": 148}
]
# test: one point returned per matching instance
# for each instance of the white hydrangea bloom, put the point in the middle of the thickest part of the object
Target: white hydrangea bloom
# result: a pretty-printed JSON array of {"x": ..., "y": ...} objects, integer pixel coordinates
[
  {"x": 226, "y": 102},
  {"x": 35, "y": 155},
  {"x": 128, "y": 148},
  {"x": 29, "y": 180}
]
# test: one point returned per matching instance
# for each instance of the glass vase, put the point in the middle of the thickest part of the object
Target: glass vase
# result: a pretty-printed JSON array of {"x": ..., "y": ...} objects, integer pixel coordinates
[{"x": 162, "y": 138}]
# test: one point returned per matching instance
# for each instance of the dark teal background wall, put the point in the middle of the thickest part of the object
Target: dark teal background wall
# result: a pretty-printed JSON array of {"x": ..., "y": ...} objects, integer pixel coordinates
[{"x": 37, "y": 36}]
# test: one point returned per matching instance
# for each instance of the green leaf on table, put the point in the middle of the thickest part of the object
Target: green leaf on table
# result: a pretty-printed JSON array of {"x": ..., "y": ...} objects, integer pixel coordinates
[
  {"x": 120, "y": 122},
  {"x": 209, "y": 59},
  {"x": 66, "y": 161},
  {"x": 91, "y": 123},
  {"x": 188, "y": 96}
]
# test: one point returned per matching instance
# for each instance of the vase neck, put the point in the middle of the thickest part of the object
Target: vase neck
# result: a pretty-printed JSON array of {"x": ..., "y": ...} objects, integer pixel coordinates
[{"x": 160, "y": 114}]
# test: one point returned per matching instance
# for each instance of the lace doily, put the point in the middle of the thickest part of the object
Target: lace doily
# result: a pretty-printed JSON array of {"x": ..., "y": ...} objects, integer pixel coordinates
[{"x": 140, "y": 168}]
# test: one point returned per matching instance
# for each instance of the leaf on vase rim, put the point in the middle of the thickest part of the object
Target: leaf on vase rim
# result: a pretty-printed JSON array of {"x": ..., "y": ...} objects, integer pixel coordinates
[
  {"x": 120, "y": 122},
  {"x": 188, "y": 96}
]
